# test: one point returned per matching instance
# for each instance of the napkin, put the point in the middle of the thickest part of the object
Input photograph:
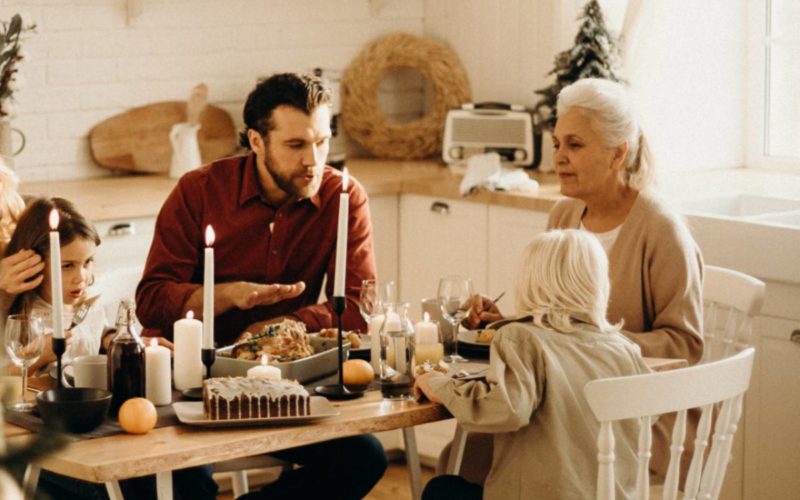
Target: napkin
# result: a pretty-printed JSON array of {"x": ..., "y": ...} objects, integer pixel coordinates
[{"x": 485, "y": 171}]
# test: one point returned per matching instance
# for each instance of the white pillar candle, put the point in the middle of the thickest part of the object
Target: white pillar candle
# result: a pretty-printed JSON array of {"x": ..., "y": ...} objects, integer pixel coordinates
[
  {"x": 341, "y": 238},
  {"x": 158, "y": 383},
  {"x": 188, "y": 336},
  {"x": 208, "y": 291},
  {"x": 426, "y": 331},
  {"x": 375, "y": 342},
  {"x": 56, "y": 294},
  {"x": 264, "y": 370}
]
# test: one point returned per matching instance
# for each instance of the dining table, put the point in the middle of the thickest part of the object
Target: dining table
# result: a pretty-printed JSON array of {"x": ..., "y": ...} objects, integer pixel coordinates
[{"x": 120, "y": 456}]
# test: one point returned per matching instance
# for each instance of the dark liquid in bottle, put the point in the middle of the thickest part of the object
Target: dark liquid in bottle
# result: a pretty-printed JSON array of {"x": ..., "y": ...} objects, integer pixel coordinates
[
  {"x": 126, "y": 372},
  {"x": 397, "y": 390}
]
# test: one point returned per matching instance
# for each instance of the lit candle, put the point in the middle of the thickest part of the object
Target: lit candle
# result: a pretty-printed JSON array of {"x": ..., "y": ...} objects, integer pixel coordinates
[
  {"x": 341, "y": 238},
  {"x": 188, "y": 336},
  {"x": 427, "y": 332},
  {"x": 158, "y": 386},
  {"x": 56, "y": 295},
  {"x": 208, "y": 291},
  {"x": 264, "y": 370}
]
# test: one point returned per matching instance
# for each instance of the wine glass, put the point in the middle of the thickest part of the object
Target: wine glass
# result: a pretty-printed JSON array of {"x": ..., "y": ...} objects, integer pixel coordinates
[
  {"x": 368, "y": 299},
  {"x": 454, "y": 293},
  {"x": 24, "y": 342}
]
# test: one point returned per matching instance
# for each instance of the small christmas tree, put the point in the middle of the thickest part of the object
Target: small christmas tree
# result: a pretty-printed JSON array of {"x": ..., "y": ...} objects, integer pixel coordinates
[{"x": 595, "y": 55}]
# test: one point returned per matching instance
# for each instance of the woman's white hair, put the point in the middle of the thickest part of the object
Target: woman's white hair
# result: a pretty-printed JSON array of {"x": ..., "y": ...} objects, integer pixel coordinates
[
  {"x": 610, "y": 111},
  {"x": 563, "y": 279}
]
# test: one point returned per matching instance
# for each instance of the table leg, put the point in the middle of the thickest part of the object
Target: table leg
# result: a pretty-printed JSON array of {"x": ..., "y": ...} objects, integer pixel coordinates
[
  {"x": 29, "y": 481},
  {"x": 164, "y": 485},
  {"x": 412, "y": 462},
  {"x": 456, "y": 451},
  {"x": 113, "y": 490}
]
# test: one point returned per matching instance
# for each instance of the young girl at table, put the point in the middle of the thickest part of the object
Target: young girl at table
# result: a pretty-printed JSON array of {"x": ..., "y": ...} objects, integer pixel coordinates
[
  {"x": 532, "y": 398},
  {"x": 79, "y": 242}
]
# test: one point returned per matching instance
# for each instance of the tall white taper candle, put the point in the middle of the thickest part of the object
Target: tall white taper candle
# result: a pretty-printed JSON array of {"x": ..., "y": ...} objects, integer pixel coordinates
[
  {"x": 341, "y": 238},
  {"x": 56, "y": 294},
  {"x": 208, "y": 291}
]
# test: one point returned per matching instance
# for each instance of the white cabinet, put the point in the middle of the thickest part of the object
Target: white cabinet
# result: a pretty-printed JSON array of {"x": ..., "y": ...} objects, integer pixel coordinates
[
  {"x": 384, "y": 215},
  {"x": 772, "y": 433},
  {"x": 120, "y": 259},
  {"x": 510, "y": 231},
  {"x": 440, "y": 237}
]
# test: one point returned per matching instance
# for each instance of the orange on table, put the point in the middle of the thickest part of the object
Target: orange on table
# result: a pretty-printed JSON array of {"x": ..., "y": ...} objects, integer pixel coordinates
[
  {"x": 357, "y": 372},
  {"x": 137, "y": 416}
]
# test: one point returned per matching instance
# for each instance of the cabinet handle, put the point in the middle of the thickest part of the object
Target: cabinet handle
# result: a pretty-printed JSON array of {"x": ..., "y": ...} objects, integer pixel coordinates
[
  {"x": 122, "y": 229},
  {"x": 441, "y": 208},
  {"x": 795, "y": 337}
]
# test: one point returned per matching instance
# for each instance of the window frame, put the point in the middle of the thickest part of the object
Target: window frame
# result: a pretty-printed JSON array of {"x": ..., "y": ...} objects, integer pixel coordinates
[{"x": 759, "y": 42}]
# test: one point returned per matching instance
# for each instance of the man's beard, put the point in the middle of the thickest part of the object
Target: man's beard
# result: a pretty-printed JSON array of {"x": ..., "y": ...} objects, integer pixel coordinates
[{"x": 284, "y": 182}]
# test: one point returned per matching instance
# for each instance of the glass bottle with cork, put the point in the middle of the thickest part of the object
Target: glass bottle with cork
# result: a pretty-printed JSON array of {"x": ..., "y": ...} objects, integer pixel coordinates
[{"x": 126, "y": 358}]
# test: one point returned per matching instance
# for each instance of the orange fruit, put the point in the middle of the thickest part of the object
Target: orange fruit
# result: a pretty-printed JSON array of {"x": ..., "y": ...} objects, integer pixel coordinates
[
  {"x": 357, "y": 372},
  {"x": 137, "y": 416}
]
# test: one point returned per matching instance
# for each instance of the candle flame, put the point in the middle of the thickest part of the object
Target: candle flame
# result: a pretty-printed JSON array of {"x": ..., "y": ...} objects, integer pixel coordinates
[
  {"x": 345, "y": 178},
  {"x": 190, "y": 315},
  {"x": 210, "y": 235},
  {"x": 264, "y": 360},
  {"x": 153, "y": 343},
  {"x": 426, "y": 317},
  {"x": 54, "y": 218}
]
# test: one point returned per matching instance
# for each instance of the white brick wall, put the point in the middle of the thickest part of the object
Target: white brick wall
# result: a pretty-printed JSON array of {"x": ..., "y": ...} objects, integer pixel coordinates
[{"x": 90, "y": 61}]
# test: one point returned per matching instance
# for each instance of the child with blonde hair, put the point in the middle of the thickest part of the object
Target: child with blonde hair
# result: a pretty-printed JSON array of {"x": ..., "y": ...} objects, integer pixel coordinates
[{"x": 532, "y": 397}]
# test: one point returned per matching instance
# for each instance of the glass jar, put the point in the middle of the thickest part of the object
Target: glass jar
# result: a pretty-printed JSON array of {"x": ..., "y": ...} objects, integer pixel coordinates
[
  {"x": 126, "y": 358},
  {"x": 397, "y": 352}
]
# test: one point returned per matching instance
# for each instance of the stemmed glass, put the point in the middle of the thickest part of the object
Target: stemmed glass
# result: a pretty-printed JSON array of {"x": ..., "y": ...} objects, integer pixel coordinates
[
  {"x": 454, "y": 293},
  {"x": 368, "y": 299},
  {"x": 24, "y": 342}
]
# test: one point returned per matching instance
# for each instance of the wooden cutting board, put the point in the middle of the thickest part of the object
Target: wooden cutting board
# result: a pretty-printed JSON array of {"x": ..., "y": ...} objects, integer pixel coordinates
[{"x": 138, "y": 140}]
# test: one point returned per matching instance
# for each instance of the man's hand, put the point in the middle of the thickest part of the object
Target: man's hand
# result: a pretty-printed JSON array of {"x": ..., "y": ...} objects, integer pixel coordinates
[
  {"x": 481, "y": 312},
  {"x": 21, "y": 272},
  {"x": 246, "y": 295},
  {"x": 422, "y": 388}
]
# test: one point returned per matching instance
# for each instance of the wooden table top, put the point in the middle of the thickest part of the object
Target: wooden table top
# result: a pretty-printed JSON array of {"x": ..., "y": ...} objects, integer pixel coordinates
[{"x": 123, "y": 455}]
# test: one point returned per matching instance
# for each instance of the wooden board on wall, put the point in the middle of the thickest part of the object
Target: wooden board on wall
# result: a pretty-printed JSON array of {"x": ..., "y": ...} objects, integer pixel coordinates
[{"x": 138, "y": 139}]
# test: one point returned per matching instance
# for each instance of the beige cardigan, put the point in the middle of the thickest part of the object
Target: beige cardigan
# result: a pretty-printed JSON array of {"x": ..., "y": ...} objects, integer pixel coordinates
[
  {"x": 533, "y": 403},
  {"x": 656, "y": 275}
]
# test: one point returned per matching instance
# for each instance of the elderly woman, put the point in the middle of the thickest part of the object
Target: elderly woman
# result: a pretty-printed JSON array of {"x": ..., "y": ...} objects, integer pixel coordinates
[
  {"x": 543, "y": 433},
  {"x": 604, "y": 167}
]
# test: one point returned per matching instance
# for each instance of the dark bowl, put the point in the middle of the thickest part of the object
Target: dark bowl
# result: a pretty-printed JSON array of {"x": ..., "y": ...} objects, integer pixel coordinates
[{"x": 73, "y": 409}]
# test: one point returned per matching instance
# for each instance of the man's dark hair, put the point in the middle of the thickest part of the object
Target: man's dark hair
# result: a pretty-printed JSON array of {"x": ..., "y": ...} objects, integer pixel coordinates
[{"x": 302, "y": 91}]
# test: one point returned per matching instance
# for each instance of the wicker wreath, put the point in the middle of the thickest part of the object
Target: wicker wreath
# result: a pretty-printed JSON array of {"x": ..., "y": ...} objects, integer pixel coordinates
[{"x": 363, "y": 119}]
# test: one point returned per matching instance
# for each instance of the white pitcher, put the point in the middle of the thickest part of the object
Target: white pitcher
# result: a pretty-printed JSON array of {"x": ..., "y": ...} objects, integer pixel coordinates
[{"x": 185, "y": 149}]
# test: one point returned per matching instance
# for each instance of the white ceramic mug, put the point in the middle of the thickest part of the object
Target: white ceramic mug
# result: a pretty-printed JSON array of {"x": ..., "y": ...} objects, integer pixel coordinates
[{"x": 90, "y": 371}]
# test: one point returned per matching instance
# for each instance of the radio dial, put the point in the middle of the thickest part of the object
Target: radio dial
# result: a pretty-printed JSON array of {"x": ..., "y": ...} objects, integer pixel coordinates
[
  {"x": 519, "y": 154},
  {"x": 456, "y": 152}
]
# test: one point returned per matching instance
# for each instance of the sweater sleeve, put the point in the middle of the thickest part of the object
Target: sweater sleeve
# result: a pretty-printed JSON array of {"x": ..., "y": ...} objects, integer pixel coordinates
[
  {"x": 511, "y": 392},
  {"x": 673, "y": 277}
]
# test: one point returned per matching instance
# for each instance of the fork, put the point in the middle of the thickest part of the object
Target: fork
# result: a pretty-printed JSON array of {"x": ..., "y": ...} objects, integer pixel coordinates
[{"x": 82, "y": 311}]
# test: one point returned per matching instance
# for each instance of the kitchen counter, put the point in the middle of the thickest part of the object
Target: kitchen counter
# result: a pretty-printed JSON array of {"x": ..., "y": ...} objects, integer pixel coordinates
[{"x": 131, "y": 196}]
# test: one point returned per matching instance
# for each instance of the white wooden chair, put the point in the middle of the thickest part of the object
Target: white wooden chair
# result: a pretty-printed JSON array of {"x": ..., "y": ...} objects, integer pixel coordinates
[
  {"x": 646, "y": 396},
  {"x": 730, "y": 302}
]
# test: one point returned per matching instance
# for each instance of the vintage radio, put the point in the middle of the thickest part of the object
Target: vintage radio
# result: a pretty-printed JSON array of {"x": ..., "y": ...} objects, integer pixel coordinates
[{"x": 488, "y": 127}]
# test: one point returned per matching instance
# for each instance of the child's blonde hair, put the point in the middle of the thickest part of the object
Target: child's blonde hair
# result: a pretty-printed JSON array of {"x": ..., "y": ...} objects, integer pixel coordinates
[
  {"x": 11, "y": 204},
  {"x": 563, "y": 278}
]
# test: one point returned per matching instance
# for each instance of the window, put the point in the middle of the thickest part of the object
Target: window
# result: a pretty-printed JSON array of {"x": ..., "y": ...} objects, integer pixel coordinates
[{"x": 774, "y": 108}]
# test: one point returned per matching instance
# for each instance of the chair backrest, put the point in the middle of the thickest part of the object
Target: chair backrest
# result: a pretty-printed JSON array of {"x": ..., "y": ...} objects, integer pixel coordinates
[
  {"x": 730, "y": 302},
  {"x": 646, "y": 396}
]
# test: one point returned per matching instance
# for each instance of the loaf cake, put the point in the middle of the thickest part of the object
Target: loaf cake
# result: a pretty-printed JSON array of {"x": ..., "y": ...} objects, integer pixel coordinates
[{"x": 228, "y": 398}]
